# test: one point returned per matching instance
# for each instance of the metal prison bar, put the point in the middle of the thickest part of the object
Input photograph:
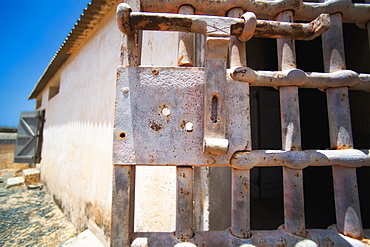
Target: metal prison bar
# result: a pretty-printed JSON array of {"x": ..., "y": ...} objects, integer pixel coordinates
[{"x": 220, "y": 148}]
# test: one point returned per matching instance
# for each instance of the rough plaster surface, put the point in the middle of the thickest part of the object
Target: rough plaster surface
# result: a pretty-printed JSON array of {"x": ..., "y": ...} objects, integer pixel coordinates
[
  {"x": 76, "y": 164},
  {"x": 76, "y": 161},
  {"x": 156, "y": 199}
]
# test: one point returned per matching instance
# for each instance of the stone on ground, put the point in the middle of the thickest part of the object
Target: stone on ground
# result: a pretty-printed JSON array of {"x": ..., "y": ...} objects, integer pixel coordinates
[
  {"x": 10, "y": 182},
  {"x": 31, "y": 176},
  {"x": 86, "y": 238}
]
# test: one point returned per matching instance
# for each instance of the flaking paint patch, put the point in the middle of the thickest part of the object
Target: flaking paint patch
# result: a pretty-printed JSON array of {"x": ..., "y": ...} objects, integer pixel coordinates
[{"x": 155, "y": 126}]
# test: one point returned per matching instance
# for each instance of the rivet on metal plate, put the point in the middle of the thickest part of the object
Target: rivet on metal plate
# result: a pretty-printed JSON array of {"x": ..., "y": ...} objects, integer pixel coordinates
[
  {"x": 125, "y": 90},
  {"x": 150, "y": 158},
  {"x": 155, "y": 71}
]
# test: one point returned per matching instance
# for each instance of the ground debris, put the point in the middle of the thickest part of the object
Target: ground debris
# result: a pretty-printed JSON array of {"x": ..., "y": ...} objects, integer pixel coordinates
[{"x": 30, "y": 217}]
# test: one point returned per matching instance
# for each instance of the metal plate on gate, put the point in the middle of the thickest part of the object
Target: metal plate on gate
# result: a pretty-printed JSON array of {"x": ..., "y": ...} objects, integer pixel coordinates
[{"x": 159, "y": 117}]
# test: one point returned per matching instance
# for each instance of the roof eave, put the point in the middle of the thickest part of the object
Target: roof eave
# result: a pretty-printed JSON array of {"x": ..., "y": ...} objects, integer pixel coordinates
[{"x": 95, "y": 11}]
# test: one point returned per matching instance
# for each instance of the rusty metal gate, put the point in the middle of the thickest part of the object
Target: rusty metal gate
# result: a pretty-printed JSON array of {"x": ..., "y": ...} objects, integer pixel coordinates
[{"x": 202, "y": 117}]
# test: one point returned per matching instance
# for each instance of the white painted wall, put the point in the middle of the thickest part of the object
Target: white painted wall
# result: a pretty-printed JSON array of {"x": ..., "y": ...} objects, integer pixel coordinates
[
  {"x": 76, "y": 164},
  {"x": 76, "y": 161}
]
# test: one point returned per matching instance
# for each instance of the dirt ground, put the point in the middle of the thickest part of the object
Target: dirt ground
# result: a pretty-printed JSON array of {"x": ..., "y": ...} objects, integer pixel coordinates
[
  {"x": 29, "y": 217},
  {"x": 7, "y": 157}
]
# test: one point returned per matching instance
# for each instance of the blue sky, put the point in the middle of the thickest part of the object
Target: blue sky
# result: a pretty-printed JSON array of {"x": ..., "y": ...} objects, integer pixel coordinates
[{"x": 31, "y": 32}]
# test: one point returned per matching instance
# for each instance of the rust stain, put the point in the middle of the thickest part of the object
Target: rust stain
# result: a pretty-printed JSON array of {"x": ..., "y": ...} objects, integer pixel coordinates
[
  {"x": 182, "y": 124},
  {"x": 155, "y": 126},
  {"x": 246, "y": 186},
  {"x": 184, "y": 61},
  {"x": 294, "y": 148},
  {"x": 161, "y": 23},
  {"x": 344, "y": 146},
  {"x": 365, "y": 241},
  {"x": 150, "y": 158},
  {"x": 211, "y": 161},
  {"x": 351, "y": 236},
  {"x": 155, "y": 71}
]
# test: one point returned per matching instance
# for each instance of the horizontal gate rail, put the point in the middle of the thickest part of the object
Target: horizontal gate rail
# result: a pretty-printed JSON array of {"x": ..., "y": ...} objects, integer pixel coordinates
[
  {"x": 299, "y": 78},
  {"x": 259, "y": 238},
  {"x": 303, "y": 11},
  {"x": 129, "y": 21},
  {"x": 301, "y": 159}
]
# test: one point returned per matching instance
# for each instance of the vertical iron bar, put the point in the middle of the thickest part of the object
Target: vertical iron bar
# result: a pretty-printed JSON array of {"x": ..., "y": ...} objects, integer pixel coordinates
[
  {"x": 368, "y": 27},
  {"x": 240, "y": 196},
  {"x": 186, "y": 41},
  {"x": 184, "y": 202},
  {"x": 201, "y": 198},
  {"x": 368, "y": 32},
  {"x": 123, "y": 199},
  {"x": 291, "y": 136},
  {"x": 123, "y": 189},
  {"x": 130, "y": 49},
  {"x": 131, "y": 44},
  {"x": 344, "y": 178},
  {"x": 237, "y": 51}
]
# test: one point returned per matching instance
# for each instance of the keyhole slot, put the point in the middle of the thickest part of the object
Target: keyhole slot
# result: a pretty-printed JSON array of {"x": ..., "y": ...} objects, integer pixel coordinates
[{"x": 214, "y": 109}]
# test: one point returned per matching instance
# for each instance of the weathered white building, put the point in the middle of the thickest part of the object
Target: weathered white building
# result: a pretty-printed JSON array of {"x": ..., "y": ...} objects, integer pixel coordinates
[{"x": 77, "y": 95}]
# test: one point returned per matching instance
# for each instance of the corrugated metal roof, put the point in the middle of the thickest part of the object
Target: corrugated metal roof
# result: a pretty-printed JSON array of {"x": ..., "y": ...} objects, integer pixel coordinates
[{"x": 91, "y": 16}]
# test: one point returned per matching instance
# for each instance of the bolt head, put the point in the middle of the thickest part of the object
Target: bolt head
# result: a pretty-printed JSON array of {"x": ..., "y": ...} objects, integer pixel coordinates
[{"x": 125, "y": 90}]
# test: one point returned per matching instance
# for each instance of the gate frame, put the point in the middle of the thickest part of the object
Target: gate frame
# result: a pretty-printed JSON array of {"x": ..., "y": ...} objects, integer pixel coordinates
[{"x": 342, "y": 161}]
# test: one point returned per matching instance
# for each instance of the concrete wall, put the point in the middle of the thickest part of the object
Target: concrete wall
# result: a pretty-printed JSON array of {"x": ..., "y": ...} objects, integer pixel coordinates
[{"x": 76, "y": 164}]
